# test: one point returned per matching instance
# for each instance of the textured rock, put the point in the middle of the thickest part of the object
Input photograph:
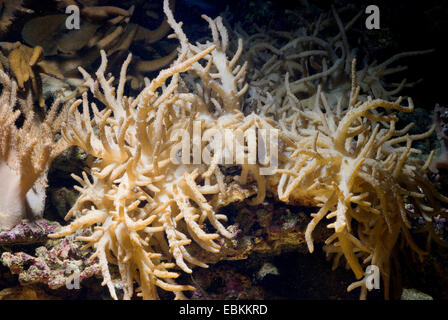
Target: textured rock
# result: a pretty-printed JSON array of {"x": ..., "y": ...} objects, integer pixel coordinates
[{"x": 28, "y": 232}]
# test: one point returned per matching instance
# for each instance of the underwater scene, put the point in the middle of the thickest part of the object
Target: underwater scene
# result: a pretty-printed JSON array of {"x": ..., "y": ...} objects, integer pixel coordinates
[{"x": 223, "y": 150}]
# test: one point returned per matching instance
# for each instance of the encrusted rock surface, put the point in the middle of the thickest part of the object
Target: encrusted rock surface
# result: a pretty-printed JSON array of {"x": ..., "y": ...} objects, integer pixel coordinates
[
  {"x": 56, "y": 264},
  {"x": 28, "y": 232}
]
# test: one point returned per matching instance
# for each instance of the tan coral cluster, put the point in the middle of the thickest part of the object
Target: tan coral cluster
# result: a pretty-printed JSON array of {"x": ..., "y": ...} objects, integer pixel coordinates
[
  {"x": 148, "y": 204},
  {"x": 27, "y": 66},
  {"x": 26, "y": 152}
]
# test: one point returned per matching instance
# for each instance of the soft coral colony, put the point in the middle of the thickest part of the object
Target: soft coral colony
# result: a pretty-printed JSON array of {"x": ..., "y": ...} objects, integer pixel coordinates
[
  {"x": 25, "y": 154},
  {"x": 148, "y": 208},
  {"x": 337, "y": 150}
]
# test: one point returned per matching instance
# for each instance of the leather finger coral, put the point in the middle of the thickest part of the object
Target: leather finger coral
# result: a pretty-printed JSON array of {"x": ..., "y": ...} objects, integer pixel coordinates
[
  {"x": 26, "y": 152},
  {"x": 146, "y": 208},
  {"x": 353, "y": 163}
]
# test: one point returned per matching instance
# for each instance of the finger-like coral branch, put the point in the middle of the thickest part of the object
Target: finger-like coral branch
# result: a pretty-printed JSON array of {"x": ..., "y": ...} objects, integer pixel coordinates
[{"x": 25, "y": 154}]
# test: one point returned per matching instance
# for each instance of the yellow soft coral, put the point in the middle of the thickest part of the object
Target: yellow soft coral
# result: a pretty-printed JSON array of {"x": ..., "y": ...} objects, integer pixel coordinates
[{"x": 351, "y": 161}]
